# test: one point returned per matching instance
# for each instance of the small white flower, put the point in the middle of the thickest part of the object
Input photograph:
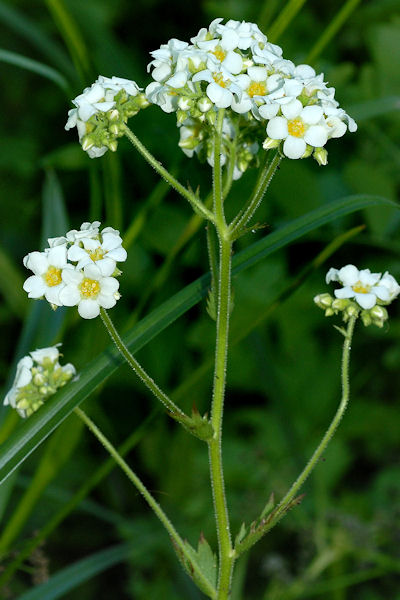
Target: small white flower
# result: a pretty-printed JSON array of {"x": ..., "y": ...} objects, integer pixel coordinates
[
  {"x": 47, "y": 267},
  {"x": 89, "y": 290},
  {"x": 87, "y": 230},
  {"x": 105, "y": 254},
  {"x": 298, "y": 127},
  {"x": 365, "y": 287},
  {"x": 389, "y": 282}
]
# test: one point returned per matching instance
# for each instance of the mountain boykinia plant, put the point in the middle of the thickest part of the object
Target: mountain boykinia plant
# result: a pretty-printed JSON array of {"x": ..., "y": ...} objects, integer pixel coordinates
[{"x": 239, "y": 104}]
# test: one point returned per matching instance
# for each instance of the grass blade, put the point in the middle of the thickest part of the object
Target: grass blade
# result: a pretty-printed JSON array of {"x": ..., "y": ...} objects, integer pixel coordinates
[{"x": 35, "y": 66}]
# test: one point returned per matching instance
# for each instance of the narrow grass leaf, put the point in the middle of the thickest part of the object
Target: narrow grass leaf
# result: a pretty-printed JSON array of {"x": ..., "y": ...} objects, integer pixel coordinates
[
  {"x": 35, "y": 66},
  {"x": 284, "y": 19},
  {"x": 73, "y": 576}
]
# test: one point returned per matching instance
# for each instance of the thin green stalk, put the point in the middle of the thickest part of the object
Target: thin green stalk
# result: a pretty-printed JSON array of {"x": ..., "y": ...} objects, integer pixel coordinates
[
  {"x": 134, "y": 479},
  {"x": 197, "y": 205},
  {"x": 292, "y": 493},
  {"x": 332, "y": 29},
  {"x": 226, "y": 555},
  {"x": 172, "y": 408},
  {"x": 253, "y": 203}
]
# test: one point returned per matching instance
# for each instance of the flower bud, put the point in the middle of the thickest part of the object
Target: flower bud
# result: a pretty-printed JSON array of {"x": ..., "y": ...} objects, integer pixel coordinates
[
  {"x": 204, "y": 104},
  {"x": 323, "y": 301},
  {"x": 269, "y": 143},
  {"x": 321, "y": 156}
]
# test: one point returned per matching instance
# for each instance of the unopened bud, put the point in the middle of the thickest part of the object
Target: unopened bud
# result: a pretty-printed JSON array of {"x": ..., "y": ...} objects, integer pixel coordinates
[
  {"x": 321, "y": 156},
  {"x": 204, "y": 104},
  {"x": 269, "y": 143}
]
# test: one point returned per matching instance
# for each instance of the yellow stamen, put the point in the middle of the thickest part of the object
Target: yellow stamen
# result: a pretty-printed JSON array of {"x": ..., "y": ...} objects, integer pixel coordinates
[
  {"x": 359, "y": 288},
  {"x": 97, "y": 254},
  {"x": 52, "y": 276},
  {"x": 89, "y": 288},
  {"x": 257, "y": 88},
  {"x": 219, "y": 53},
  {"x": 296, "y": 127},
  {"x": 219, "y": 78}
]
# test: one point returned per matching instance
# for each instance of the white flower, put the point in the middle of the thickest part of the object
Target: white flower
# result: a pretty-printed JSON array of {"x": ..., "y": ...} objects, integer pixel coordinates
[
  {"x": 87, "y": 230},
  {"x": 105, "y": 254},
  {"x": 38, "y": 377},
  {"x": 365, "y": 287},
  {"x": 221, "y": 88},
  {"x": 47, "y": 267},
  {"x": 89, "y": 290},
  {"x": 298, "y": 127}
]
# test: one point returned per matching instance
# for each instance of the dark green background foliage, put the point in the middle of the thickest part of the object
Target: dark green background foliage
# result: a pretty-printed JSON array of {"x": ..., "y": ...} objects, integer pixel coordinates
[{"x": 283, "y": 378}]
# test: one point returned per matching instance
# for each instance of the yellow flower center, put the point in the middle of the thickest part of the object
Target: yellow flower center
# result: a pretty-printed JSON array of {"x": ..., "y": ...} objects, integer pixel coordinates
[
  {"x": 52, "y": 276},
  {"x": 219, "y": 79},
  {"x": 89, "y": 288},
  {"x": 97, "y": 254},
  {"x": 257, "y": 88},
  {"x": 296, "y": 127},
  {"x": 219, "y": 53},
  {"x": 359, "y": 288}
]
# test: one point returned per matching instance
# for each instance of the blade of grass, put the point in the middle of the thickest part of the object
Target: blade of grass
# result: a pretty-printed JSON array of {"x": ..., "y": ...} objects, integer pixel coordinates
[
  {"x": 34, "y": 430},
  {"x": 58, "y": 449},
  {"x": 11, "y": 282},
  {"x": 284, "y": 19},
  {"x": 331, "y": 30},
  {"x": 36, "y": 36},
  {"x": 71, "y": 577},
  {"x": 12, "y": 58},
  {"x": 72, "y": 37}
]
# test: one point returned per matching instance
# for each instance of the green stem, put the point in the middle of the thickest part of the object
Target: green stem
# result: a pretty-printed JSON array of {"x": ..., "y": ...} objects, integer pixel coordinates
[
  {"x": 172, "y": 408},
  {"x": 134, "y": 479},
  {"x": 197, "y": 205},
  {"x": 226, "y": 555},
  {"x": 281, "y": 509},
  {"x": 263, "y": 182}
]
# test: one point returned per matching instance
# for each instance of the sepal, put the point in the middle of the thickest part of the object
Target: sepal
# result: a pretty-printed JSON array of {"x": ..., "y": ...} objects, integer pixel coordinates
[
  {"x": 197, "y": 425},
  {"x": 204, "y": 559}
]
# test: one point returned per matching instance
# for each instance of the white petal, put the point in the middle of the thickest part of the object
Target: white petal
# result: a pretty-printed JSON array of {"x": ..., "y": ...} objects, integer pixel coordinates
[
  {"x": 107, "y": 266},
  {"x": 118, "y": 254},
  {"x": 233, "y": 62},
  {"x": 277, "y": 128},
  {"x": 36, "y": 262},
  {"x": 106, "y": 301},
  {"x": 332, "y": 275},
  {"x": 349, "y": 275},
  {"x": 57, "y": 256},
  {"x": 52, "y": 353},
  {"x": 368, "y": 278},
  {"x": 312, "y": 114},
  {"x": 71, "y": 276},
  {"x": 178, "y": 80},
  {"x": 257, "y": 73},
  {"x": 292, "y": 109},
  {"x": 88, "y": 309},
  {"x": 243, "y": 106},
  {"x": 316, "y": 136},
  {"x": 345, "y": 292},
  {"x": 220, "y": 96},
  {"x": 52, "y": 294},
  {"x": 76, "y": 253},
  {"x": 92, "y": 271},
  {"x": 268, "y": 111},
  {"x": 109, "y": 285},
  {"x": 366, "y": 300},
  {"x": 230, "y": 39},
  {"x": 35, "y": 286},
  {"x": 381, "y": 292},
  {"x": 294, "y": 147},
  {"x": 70, "y": 296}
]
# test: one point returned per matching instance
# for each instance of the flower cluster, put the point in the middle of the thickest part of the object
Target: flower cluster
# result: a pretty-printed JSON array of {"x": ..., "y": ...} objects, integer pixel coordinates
[
  {"x": 233, "y": 66},
  {"x": 39, "y": 375},
  {"x": 101, "y": 112},
  {"x": 362, "y": 290},
  {"x": 78, "y": 270}
]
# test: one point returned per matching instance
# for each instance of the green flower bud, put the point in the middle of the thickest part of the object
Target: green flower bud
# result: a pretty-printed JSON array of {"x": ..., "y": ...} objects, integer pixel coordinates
[{"x": 321, "y": 156}]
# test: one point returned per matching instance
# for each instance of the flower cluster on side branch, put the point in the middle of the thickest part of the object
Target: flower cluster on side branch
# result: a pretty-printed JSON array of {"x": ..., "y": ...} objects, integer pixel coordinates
[
  {"x": 39, "y": 375},
  {"x": 362, "y": 292},
  {"x": 78, "y": 269}
]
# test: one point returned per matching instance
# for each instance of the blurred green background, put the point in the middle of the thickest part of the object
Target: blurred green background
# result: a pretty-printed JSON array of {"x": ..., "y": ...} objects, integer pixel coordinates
[{"x": 343, "y": 540}]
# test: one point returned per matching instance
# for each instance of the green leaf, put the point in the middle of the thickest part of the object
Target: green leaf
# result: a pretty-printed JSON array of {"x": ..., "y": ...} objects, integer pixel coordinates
[
  {"x": 206, "y": 560},
  {"x": 55, "y": 219},
  {"x": 34, "y": 430},
  {"x": 35, "y": 66},
  {"x": 71, "y": 577}
]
